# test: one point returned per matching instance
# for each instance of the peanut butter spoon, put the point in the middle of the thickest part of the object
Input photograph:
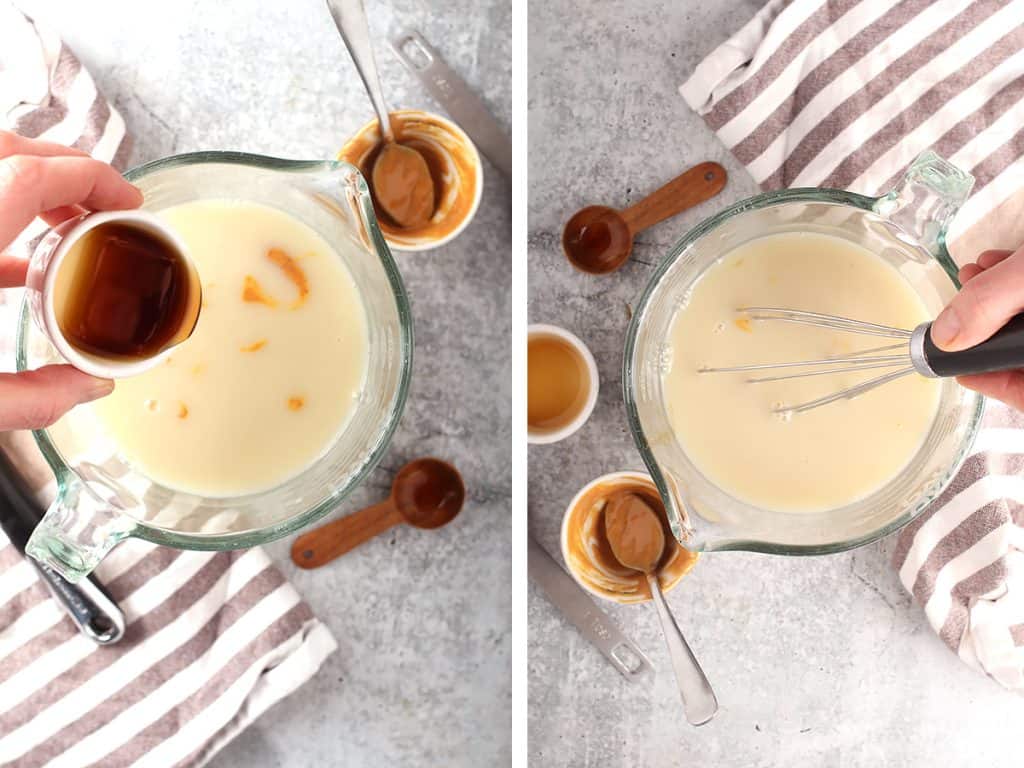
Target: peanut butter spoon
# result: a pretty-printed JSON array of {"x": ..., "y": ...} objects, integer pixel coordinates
[
  {"x": 402, "y": 185},
  {"x": 426, "y": 493},
  {"x": 401, "y": 180},
  {"x": 637, "y": 540}
]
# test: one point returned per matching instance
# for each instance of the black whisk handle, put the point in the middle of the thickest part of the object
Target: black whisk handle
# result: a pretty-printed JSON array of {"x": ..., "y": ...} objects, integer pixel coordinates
[{"x": 1004, "y": 351}]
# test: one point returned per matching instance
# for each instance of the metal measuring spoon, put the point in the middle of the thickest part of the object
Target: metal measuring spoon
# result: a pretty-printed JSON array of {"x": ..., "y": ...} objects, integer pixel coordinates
[
  {"x": 426, "y": 493},
  {"x": 400, "y": 176},
  {"x": 637, "y": 540},
  {"x": 598, "y": 239}
]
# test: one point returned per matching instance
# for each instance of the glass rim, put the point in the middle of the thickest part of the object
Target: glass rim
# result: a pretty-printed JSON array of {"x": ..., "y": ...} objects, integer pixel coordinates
[
  {"x": 253, "y": 537},
  {"x": 758, "y": 202}
]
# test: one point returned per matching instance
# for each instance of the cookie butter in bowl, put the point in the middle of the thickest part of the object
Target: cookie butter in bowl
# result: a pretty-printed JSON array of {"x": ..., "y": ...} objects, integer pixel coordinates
[
  {"x": 454, "y": 169},
  {"x": 588, "y": 554}
]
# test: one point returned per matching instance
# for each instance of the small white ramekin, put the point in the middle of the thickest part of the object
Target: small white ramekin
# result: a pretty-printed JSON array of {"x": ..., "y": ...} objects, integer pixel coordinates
[
  {"x": 553, "y": 436},
  {"x": 42, "y": 276},
  {"x": 372, "y": 131},
  {"x": 667, "y": 584}
]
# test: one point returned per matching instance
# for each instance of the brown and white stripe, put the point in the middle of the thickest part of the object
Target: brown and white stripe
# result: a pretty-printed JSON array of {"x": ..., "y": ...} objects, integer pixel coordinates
[
  {"x": 46, "y": 93},
  {"x": 212, "y": 640},
  {"x": 845, "y": 93}
]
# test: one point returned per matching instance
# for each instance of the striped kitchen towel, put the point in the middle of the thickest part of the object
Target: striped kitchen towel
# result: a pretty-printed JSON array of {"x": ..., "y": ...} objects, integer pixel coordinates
[
  {"x": 212, "y": 640},
  {"x": 846, "y": 93}
]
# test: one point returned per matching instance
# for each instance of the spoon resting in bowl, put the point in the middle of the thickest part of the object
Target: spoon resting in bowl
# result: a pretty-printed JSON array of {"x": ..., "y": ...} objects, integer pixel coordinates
[
  {"x": 401, "y": 180},
  {"x": 637, "y": 540}
]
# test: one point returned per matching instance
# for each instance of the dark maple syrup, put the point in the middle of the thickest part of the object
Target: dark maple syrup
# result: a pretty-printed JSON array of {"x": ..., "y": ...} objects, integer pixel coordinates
[{"x": 123, "y": 291}]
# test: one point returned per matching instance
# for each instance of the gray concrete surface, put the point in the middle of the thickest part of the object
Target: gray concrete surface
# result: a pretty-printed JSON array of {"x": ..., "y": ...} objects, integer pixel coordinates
[
  {"x": 816, "y": 661},
  {"x": 422, "y": 676}
]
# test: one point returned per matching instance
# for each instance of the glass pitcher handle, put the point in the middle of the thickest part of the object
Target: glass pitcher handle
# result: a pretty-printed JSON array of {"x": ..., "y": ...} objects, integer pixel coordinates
[
  {"x": 77, "y": 531},
  {"x": 924, "y": 202}
]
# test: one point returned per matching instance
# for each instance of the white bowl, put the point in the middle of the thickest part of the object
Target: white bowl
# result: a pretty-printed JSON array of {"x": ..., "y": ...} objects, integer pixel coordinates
[
  {"x": 42, "y": 275},
  {"x": 669, "y": 576},
  {"x": 553, "y": 436},
  {"x": 371, "y": 131}
]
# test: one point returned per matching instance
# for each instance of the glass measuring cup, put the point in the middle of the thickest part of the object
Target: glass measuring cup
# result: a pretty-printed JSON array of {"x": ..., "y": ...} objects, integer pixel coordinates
[
  {"x": 907, "y": 227},
  {"x": 102, "y": 499}
]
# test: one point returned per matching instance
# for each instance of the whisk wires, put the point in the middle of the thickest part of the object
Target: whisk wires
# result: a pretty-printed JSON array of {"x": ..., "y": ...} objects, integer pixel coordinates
[
  {"x": 848, "y": 362},
  {"x": 835, "y": 322}
]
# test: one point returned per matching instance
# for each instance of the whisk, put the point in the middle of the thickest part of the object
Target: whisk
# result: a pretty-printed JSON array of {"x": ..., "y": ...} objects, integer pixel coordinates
[{"x": 913, "y": 353}]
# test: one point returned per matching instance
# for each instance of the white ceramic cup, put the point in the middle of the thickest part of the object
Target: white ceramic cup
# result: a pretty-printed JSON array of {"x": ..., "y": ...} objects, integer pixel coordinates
[
  {"x": 368, "y": 137},
  {"x": 42, "y": 276},
  {"x": 541, "y": 437},
  {"x": 670, "y": 575}
]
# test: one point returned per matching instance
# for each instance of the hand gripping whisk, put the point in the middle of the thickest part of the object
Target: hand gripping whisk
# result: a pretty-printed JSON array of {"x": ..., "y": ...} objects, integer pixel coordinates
[{"x": 913, "y": 353}]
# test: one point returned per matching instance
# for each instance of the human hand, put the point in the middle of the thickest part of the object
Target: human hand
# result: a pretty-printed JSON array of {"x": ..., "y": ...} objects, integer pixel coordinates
[
  {"x": 992, "y": 293},
  {"x": 53, "y": 182}
]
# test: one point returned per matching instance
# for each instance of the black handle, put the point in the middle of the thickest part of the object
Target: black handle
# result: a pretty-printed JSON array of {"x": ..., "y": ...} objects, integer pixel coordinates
[{"x": 1003, "y": 352}]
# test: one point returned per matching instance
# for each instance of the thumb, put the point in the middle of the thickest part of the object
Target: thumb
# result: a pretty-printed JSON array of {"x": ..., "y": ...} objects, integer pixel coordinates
[
  {"x": 36, "y": 399},
  {"x": 983, "y": 306}
]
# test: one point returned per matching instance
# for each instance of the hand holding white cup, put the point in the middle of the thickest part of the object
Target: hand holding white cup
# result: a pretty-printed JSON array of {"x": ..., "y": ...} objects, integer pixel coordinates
[
  {"x": 55, "y": 183},
  {"x": 114, "y": 292}
]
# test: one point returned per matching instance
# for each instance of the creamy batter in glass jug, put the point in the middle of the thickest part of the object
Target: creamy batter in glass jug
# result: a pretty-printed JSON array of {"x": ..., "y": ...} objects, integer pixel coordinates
[
  {"x": 103, "y": 498},
  {"x": 906, "y": 228}
]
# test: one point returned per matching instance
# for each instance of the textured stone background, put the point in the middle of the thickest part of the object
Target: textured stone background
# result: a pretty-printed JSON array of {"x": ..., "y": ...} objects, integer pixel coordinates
[
  {"x": 816, "y": 661},
  {"x": 422, "y": 676}
]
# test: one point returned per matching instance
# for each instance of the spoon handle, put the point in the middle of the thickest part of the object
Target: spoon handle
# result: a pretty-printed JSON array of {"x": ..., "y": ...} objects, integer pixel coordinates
[
  {"x": 700, "y": 183},
  {"x": 699, "y": 700},
  {"x": 350, "y": 19},
  {"x": 321, "y": 545}
]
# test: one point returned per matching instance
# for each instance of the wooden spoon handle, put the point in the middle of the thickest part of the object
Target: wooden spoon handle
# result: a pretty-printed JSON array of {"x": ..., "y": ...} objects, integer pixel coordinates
[
  {"x": 323, "y": 544},
  {"x": 700, "y": 183}
]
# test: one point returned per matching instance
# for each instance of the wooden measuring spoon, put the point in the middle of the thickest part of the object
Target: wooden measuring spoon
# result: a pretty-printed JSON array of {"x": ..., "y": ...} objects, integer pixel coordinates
[
  {"x": 637, "y": 540},
  {"x": 426, "y": 493},
  {"x": 598, "y": 239}
]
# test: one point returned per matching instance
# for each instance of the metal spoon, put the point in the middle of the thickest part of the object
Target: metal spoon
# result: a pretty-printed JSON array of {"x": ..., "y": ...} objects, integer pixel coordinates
[
  {"x": 638, "y": 542},
  {"x": 398, "y": 171},
  {"x": 426, "y": 493}
]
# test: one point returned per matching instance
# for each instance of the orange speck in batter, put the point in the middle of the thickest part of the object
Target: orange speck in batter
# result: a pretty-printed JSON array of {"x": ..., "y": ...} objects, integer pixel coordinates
[
  {"x": 253, "y": 292},
  {"x": 293, "y": 272}
]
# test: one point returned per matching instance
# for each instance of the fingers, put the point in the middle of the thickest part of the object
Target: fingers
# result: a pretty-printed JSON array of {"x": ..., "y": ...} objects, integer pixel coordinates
[
  {"x": 968, "y": 272},
  {"x": 36, "y": 399},
  {"x": 985, "y": 303},
  {"x": 12, "y": 271},
  {"x": 61, "y": 214},
  {"x": 985, "y": 260},
  {"x": 1007, "y": 386},
  {"x": 13, "y": 144},
  {"x": 31, "y": 185},
  {"x": 989, "y": 259}
]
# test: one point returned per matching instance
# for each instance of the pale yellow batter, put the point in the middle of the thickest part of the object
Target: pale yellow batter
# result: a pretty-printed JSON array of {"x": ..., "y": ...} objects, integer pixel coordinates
[
  {"x": 811, "y": 461},
  {"x": 271, "y": 374}
]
